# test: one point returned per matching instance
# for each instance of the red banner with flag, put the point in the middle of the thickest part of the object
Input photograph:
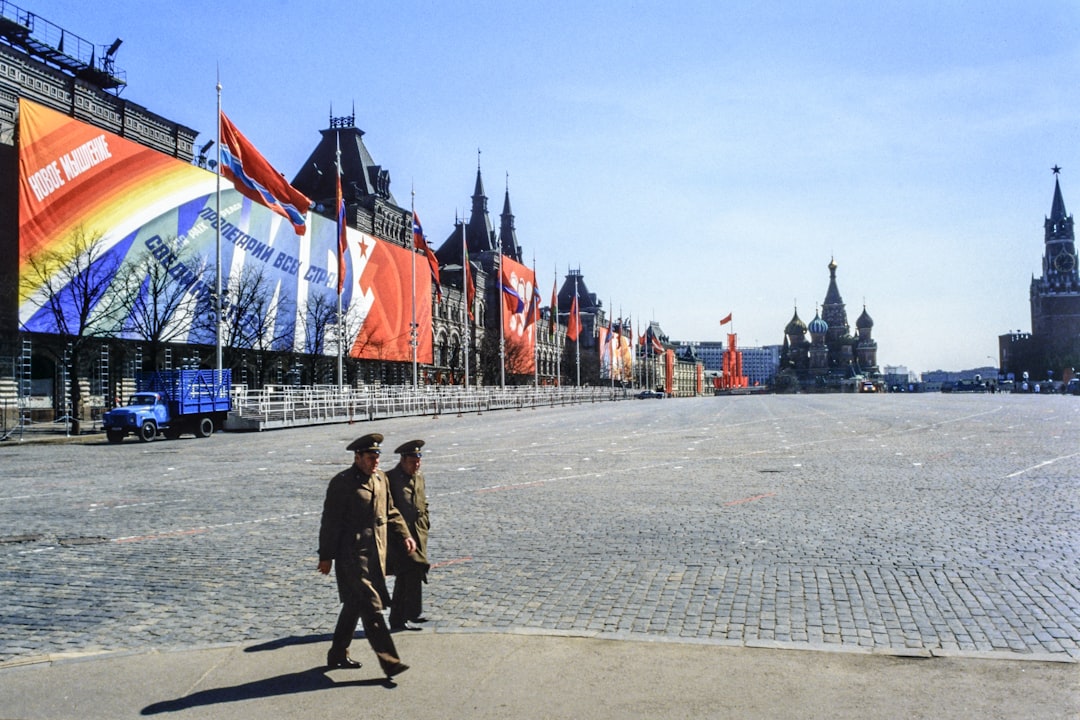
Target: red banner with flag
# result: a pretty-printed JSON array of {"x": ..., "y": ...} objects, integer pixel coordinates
[
  {"x": 257, "y": 180},
  {"x": 518, "y": 283},
  {"x": 386, "y": 294},
  {"x": 726, "y": 320}
]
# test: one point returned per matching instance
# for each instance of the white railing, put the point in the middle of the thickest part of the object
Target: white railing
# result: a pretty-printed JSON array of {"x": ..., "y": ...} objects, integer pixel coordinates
[{"x": 322, "y": 403}]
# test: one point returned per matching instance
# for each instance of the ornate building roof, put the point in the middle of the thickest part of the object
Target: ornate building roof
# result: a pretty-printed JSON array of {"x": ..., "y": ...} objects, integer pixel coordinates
[
  {"x": 361, "y": 177},
  {"x": 796, "y": 326},
  {"x": 587, "y": 302},
  {"x": 365, "y": 186}
]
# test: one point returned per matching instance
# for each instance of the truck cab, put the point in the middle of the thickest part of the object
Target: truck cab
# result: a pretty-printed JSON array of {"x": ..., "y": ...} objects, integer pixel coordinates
[{"x": 143, "y": 415}]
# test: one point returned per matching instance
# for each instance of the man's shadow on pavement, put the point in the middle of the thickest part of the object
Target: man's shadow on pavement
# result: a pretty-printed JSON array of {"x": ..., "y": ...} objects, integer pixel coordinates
[{"x": 311, "y": 680}]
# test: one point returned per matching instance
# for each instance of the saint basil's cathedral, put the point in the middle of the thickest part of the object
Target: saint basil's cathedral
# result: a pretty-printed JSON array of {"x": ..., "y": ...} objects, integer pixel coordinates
[{"x": 823, "y": 354}]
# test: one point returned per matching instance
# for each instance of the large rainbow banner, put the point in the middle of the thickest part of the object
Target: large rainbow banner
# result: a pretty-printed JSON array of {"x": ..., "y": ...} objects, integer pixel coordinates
[{"x": 78, "y": 181}]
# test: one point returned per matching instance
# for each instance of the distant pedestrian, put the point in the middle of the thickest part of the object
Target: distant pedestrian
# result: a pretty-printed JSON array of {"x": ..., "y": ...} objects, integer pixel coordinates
[
  {"x": 358, "y": 521},
  {"x": 410, "y": 569}
]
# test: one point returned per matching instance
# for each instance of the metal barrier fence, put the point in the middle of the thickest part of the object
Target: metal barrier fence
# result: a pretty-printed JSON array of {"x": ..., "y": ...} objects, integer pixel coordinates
[{"x": 273, "y": 407}]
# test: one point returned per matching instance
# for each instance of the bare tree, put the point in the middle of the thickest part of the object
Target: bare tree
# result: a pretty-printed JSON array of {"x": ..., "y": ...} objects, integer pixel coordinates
[
  {"x": 72, "y": 284},
  {"x": 319, "y": 315},
  {"x": 520, "y": 361},
  {"x": 517, "y": 360},
  {"x": 160, "y": 293},
  {"x": 589, "y": 365},
  {"x": 254, "y": 316},
  {"x": 366, "y": 344}
]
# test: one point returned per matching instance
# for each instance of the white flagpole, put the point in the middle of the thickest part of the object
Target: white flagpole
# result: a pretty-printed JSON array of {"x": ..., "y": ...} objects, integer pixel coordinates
[
  {"x": 622, "y": 326},
  {"x": 340, "y": 230},
  {"x": 534, "y": 312},
  {"x": 648, "y": 359},
  {"x": 577, "y": 340},
  {"x": 217, "y": 210},
  {"x": 502, "y": 320},
  {"x": 414, "y": 336},
  {"x": 555, "y": 335},
  {"x": 611, "y": 347},
  {"x": 465, "y": 292}
]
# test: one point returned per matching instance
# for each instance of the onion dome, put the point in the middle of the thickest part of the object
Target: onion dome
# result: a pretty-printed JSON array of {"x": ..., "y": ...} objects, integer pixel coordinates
[
  {"x": 796, "y": 326},
  {"x": 865, "y": 321},
  {"x": 818, "y": 326}
]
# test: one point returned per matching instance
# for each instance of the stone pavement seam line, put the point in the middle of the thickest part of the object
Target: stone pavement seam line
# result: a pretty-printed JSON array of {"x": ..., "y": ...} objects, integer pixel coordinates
[
  {"x": 914, "y": 653},
  {"x": 213, "y": 667}
]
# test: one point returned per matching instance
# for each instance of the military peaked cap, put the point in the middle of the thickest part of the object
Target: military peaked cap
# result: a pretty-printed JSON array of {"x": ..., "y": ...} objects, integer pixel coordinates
[
  {"x": 365, "y": 443},
  {"x": 410, "y": 448}
]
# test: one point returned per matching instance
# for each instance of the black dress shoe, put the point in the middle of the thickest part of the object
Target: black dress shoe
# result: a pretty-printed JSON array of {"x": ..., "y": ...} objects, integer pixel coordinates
[
  {"x": 340, "y": 660},
  {"x": 405, "y": 626},
  {"x": 397, "y": 669},
  {"x": 420, "y": 619}
]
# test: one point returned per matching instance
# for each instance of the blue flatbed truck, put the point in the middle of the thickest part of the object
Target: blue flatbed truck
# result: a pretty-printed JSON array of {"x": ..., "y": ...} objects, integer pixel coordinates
[{"x": 172, "y": 403}]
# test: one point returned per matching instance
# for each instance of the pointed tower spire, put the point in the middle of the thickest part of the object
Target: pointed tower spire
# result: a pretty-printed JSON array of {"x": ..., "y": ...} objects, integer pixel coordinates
[
  {"x": 833, "y": 310},
  {"x": 507, "y": 234},
  {"x": 481, "y": 233},
  {"x": 1057, "y": 210},
  {"x": 1059, "y": 224}
]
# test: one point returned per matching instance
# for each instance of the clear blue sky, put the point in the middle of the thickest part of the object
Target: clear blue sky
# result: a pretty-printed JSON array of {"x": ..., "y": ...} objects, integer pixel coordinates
[{"x": 693, "y": 159}]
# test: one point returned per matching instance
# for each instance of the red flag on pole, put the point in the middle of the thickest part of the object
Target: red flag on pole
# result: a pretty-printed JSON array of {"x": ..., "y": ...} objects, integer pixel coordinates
[
  {"x": 257, "y": 180},
  {"x": 573, "y": 325},
  {"x": 470, "y": 287},
  {"x": 341, "y": 245},
  {"x": 726, "y": 319},
  {"x": 433, "y": 263},
  {"x": 553, "y": 316}
]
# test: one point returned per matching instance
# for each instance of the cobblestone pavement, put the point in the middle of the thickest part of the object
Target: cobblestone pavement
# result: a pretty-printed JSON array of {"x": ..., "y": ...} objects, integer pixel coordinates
[{"x": 908, "y": 524}]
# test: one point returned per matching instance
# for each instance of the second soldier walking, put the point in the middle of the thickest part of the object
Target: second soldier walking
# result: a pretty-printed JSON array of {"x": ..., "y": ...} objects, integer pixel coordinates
[{"x": 410, "y": 568}]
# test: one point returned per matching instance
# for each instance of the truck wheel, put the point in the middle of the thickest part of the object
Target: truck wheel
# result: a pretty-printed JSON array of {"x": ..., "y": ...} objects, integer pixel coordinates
[
  {"x": 148, "y": 431},
  {"x": 205, "y": 428},
  {"x": 114, "y": 436}
]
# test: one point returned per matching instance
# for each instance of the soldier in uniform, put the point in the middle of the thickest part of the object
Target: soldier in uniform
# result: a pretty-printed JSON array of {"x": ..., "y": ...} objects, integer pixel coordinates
[
  {"x": 410, "y": 569},
  {"x": 358, "y": 520}
]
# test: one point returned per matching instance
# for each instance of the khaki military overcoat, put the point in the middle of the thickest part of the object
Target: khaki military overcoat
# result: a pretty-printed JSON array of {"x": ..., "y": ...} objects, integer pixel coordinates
[
  {"x": 410, "y": 498},
  {"x": 358, "y": 520}
]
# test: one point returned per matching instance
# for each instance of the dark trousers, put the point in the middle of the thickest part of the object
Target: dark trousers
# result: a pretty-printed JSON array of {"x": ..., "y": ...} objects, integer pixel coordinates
[
  {"x": 375, "y": 630},
  {"x": 407, "y": 602}
]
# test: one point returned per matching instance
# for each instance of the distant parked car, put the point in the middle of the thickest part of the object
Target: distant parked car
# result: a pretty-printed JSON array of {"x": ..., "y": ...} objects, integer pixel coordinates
[
  {"x": 965, "y": 386},
  {"x": 1073, "y": 387},
  {"x": 645, "y": 394}
]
